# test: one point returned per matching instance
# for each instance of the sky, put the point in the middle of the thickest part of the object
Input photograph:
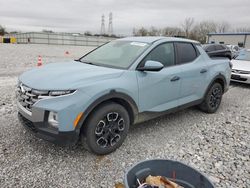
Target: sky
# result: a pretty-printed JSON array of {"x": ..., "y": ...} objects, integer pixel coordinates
[{"x": 85, "y": 15}]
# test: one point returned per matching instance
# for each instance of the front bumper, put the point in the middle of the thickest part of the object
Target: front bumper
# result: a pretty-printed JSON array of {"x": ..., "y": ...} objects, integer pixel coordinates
[
  {"x": 243, "y": 78},
  {"x": 67, "y": 108},
  {"x": 43, "y": 131}
]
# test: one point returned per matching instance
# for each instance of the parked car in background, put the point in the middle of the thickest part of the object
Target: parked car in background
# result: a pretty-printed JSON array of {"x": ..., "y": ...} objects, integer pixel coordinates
[
  {"x": 235, "y": 50},
  {"x": 123, "y": 82},
  {"x": 241, "y": 67},
  {"x": 217, "y": 50}
]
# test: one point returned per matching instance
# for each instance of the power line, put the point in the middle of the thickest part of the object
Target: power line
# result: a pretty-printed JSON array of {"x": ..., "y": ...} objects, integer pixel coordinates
[{"x": 110, "y": 27}]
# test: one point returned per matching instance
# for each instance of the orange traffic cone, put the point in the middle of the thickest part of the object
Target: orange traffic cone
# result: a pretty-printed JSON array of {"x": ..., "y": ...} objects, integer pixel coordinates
[{"x": 39, "y": 63}]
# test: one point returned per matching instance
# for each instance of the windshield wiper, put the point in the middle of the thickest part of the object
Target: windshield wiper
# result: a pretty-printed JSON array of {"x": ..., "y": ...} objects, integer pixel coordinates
[{"x": 87, "y": 62}]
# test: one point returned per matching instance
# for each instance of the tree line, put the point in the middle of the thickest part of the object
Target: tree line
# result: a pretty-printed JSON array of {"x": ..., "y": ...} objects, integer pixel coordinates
[{"x": 190, "y": 29}]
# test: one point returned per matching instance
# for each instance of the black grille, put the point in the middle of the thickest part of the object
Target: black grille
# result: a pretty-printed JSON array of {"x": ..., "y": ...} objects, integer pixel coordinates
[
  {"x": 27, "y": 96},
  {"x": 237, "y": 77}
]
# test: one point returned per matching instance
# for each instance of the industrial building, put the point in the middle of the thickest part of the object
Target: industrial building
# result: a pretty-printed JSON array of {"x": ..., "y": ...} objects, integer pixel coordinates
[
  {"x": 75, "y": 39},
  {"x": 240, "y": 39}
]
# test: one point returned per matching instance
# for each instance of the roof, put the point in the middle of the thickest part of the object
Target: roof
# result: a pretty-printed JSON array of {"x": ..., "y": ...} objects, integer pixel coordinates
[
  {"x": 151, "y": 39},
  {"x": 142, "y": 39},
  {"x": 240, "y": 33}
]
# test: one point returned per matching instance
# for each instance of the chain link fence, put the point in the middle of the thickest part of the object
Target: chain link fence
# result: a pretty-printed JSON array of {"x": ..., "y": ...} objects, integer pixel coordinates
[{"x": 59, "y": 39}]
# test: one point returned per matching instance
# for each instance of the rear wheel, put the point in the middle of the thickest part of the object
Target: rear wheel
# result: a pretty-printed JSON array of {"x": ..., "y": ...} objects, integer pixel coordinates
[
  {"x": 106, "y": 128},
  {"x": 212, "y": 99}
]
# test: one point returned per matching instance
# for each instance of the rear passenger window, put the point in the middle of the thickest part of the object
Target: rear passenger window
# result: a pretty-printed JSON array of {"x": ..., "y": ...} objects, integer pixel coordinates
[{"x": 186, "y": 52}]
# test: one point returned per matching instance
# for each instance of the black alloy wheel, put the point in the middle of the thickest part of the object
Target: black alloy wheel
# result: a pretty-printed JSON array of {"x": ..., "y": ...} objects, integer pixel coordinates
[
  {"x": 212, "y": 99},
  {"x": 109, "y": 130},
  {"x": 106, "y": 128},
  {"x": 215, "y": 97}
]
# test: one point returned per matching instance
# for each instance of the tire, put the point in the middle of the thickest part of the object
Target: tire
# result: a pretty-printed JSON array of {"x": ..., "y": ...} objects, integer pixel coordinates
[
  {"x": 212, "y": 99},
  {"x": 106, "y": 128}
]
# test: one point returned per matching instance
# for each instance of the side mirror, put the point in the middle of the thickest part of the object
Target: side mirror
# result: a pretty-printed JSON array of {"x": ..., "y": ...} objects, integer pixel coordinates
[{"x": 151, "y": 66}]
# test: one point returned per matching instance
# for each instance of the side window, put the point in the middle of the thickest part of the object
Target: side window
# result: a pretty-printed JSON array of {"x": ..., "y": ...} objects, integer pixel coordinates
[
  {"x": 163, "y": 53},
  {"x": 210, "y": 48},
  {"x": 186, "y": 52},
  {"x": 219, "y": 47}
]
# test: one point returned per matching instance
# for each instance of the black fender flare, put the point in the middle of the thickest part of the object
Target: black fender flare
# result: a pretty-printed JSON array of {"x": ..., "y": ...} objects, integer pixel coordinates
[
  {"x": 220, "y": 77},
  {"x": 112, "y": 95}
]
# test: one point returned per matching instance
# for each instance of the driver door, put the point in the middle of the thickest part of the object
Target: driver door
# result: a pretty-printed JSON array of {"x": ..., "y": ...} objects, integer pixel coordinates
[{"x": 160, "y": 91}]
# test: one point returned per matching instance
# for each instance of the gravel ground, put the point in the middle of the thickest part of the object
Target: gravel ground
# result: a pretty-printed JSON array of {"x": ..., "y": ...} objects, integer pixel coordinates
[{"x": 216, "y": 144}]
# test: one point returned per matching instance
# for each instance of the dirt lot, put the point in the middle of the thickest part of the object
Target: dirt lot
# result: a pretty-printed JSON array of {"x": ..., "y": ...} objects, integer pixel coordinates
[{"x": 216, "y": 144}]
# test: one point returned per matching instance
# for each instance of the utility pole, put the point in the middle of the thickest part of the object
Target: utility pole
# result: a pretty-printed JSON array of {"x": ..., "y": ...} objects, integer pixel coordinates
[{"x": 110, "y": 28}]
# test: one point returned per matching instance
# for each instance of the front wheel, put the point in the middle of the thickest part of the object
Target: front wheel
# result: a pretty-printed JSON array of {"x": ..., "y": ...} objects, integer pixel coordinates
[
  {"x": 106, "y": 128},
  {"x": 212, "y": 99}
]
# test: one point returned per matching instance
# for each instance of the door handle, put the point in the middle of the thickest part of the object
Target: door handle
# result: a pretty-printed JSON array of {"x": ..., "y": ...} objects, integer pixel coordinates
[
  {"x": 175, "y": 78},
  {"x": 203, "y": 71}
]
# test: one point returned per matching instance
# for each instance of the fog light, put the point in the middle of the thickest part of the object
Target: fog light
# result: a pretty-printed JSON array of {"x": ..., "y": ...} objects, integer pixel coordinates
[{"x": 53, "y": 119}]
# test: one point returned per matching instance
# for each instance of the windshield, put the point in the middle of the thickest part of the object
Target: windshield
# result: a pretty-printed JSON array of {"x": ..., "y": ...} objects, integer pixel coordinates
[
  {"x": 118, "y": 54},
  {"x": 244, "y": 55}
]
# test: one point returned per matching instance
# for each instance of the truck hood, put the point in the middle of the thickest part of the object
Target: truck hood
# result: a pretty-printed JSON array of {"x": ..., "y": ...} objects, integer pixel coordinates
[{"x": 66, "y": 75}]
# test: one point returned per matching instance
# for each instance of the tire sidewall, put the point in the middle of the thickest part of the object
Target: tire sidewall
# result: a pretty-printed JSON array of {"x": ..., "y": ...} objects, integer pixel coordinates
[{"x": 94, "y": 119}]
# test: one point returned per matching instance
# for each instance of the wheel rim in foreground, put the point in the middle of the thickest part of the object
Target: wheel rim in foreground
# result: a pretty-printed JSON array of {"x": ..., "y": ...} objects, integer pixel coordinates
[{"x": 109, "y": 130}]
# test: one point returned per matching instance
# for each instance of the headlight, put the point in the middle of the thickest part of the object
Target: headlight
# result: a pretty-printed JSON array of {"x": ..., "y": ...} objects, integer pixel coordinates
[
  {"x": 48, "y": 94},
  {"x": 244, "y": 72},
  {"x": 240, "y": 71},
  {"x": 53, "y": 119},
  {"x": 58, "y": 93}
]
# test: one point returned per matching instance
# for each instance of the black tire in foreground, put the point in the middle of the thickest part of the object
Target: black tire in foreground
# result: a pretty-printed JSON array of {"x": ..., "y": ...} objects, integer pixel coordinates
[
  {"x": 106, "y": 128},
  {"x": 212, "y": 99}
]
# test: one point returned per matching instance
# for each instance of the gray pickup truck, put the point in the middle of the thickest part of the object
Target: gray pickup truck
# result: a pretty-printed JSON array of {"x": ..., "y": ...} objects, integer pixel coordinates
[{"x": 126, "y": 81}]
